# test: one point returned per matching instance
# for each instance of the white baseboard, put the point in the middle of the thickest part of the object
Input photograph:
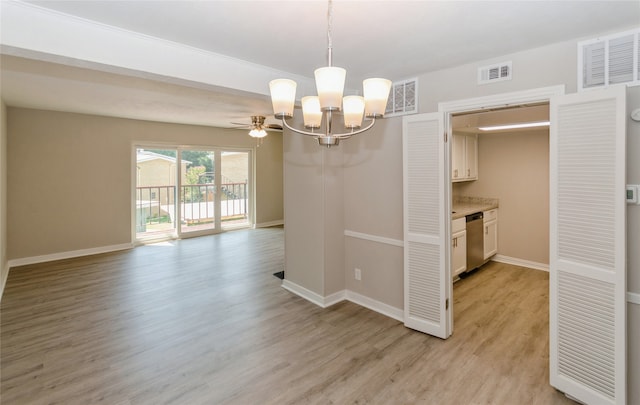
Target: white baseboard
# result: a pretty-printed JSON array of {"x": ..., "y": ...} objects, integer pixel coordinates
[
  {"x": 5, "y": 276},
  {"x": 307, "y": 294},
  {"x": 325, "y": 302},
  {"x": 633, "y": 298},
  {"x": 68, "y": 255},
  {"x": 520, "y": 262},
  {"x": 270, "y": 223},
  {"x": 374, "y": 305}
]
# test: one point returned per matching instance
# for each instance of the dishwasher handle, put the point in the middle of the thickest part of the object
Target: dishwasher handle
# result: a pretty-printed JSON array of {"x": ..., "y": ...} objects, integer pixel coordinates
[{"x": 475, "y": 216}]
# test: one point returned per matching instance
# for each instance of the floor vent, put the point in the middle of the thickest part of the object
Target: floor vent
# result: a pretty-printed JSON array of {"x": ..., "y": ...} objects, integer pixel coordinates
[
  {"x": 494, "y": 73},
  {"x": 609, "y": 60},
  {"x": 403, "y": 98}
]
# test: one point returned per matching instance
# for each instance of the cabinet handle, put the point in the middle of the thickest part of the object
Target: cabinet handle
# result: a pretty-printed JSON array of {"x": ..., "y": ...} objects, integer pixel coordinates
[
  {"x": 455, "y": 240},
  {"x": 455, "y": 173},
  {"x": 486, "y": 230},
  {"x": 469, "y": 172}
]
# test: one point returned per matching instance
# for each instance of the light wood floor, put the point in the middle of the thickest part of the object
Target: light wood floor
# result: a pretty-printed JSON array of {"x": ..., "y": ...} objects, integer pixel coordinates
[{"x": 204, "y": 321}]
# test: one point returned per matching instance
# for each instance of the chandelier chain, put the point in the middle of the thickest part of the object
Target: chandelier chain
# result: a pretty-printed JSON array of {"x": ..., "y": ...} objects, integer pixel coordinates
[{"x": 329, "y": 28}]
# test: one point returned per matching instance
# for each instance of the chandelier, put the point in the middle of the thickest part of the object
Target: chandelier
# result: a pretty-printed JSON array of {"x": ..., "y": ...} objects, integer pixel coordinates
[{"x": 330, "y": 101}]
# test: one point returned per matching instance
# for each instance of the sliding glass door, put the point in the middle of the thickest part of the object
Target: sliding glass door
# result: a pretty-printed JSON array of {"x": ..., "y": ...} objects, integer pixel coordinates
[
  {"x": 191, "y": 191},
  {"x": 198, "y": 191},
  {"x": 234, "y": 196},
  {"x": 155, "y": 194}
]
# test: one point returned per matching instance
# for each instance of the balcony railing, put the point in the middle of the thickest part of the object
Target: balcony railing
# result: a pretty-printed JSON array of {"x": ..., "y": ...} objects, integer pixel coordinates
[{"x": 156, "y": 204}]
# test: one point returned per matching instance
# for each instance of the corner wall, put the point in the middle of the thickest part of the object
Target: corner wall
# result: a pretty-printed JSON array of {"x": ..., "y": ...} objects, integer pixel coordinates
[{"x": 314, "y": 216}]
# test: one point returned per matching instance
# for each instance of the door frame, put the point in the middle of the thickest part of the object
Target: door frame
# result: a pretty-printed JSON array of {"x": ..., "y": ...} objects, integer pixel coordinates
[
  {"x": 449, "y": 108},
  {"x": 179, "y": 149}
]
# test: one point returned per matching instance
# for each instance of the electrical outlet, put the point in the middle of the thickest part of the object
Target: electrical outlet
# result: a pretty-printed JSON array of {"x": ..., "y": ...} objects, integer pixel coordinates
[
  {"x": 632, "y": 194},
  {"x": 357, "y": 273}
]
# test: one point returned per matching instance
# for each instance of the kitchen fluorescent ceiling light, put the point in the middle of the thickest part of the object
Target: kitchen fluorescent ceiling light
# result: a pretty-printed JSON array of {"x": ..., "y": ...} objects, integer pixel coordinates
[
  {"x": 516, "y": 126},
  {"x": 330, "y": 86}
]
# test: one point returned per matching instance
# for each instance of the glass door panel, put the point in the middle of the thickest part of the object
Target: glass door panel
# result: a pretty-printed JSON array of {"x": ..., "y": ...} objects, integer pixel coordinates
[
  {"x": 156, "y": 183},
  {"x": 197, "y": 191},
  {"x": 234, "y": 189}
]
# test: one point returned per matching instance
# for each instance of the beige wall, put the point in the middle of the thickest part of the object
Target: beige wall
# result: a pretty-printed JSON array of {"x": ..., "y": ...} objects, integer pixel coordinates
[
  {"x": 83, "y": 165},
  {"x": 304, "y": 212},
  {"x": 373, "y": 206},
  {"x": 514, "y": 167},
  {"x": 269, "y": 180},
  {"x": 4, "y": 268}
]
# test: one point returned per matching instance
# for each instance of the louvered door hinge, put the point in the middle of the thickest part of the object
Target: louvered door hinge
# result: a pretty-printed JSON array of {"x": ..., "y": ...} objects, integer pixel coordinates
[
  {"x": 446, "y": 137},
  {"x": 446, "y": 304}
]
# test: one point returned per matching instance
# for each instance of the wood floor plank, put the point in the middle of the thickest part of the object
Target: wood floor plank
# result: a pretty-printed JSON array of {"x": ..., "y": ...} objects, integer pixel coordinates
[{"x": 204, "y": 321}]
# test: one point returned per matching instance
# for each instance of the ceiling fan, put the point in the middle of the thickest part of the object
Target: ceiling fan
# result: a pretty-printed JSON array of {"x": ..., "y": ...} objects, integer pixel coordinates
[{"x": 258, "y": 129}]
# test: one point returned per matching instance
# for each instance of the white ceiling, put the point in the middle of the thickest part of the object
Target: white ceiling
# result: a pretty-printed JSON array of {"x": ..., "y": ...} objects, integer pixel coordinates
[{"x": 393, "y": 39}]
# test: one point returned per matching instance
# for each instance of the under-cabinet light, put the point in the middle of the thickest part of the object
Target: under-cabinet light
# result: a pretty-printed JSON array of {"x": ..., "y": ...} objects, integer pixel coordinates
[{"x": 516, "y": 126}]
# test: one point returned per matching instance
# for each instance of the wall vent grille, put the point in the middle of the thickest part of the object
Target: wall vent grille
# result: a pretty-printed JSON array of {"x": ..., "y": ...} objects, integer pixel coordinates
[
  {"x": 403, "y": 98},
  {"x": 494, "y": 73},
  {"x": 609, "y": 60}
]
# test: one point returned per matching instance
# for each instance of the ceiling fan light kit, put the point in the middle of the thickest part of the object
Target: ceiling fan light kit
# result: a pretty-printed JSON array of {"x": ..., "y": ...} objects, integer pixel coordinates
[
  {"x": 330, "y": 86},
  {"x": 257, "y": 127}
]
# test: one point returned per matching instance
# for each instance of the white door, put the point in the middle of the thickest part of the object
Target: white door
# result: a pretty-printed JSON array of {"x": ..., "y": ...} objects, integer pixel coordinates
[
  {"x": 427, "y": 273},
  {"x": 587, "y": 331}
]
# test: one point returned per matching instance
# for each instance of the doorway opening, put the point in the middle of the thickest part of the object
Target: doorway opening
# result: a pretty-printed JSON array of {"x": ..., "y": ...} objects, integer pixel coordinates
[
  {"x": 508, "y": 189},
  {"x": 467, "y": 116},
  {"x": 496, "y": 258}
]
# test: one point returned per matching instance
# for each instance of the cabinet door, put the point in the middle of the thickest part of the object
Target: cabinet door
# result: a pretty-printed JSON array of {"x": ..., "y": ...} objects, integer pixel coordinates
[
  {"x": 459, "y": 253},
  {"x": 490, "y": 239},
  {"x": 458, "y": 157},
  {"x": 471, "y": 157}
]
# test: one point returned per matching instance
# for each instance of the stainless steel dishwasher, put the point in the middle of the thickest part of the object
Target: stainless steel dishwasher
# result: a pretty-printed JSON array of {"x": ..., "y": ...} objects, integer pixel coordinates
[{"x": 475, "y": 241}]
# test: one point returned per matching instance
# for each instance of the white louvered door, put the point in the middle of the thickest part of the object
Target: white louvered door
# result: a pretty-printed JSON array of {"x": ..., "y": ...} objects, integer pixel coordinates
[
  {"x": 425, "y": 267},
  {"x": 587, "y": 246}
]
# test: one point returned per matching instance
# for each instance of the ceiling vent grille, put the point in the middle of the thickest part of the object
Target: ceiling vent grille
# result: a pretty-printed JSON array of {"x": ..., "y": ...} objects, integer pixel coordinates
[
  {"x": 494, "y": 73},
  {"x": 403, "y": 98},
  {"x": 609, "y": 60}
]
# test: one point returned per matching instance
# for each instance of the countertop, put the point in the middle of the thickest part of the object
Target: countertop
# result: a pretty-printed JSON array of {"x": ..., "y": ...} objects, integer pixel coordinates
[{"x": 463, "y": 205}]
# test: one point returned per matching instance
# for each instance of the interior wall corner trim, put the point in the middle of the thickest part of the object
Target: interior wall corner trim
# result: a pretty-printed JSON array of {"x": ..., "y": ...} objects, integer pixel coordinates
[{"x": 319, "y": 300}]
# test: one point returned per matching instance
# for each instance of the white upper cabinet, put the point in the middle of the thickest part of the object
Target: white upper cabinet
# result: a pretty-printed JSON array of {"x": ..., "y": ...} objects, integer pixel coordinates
[{"x": 464, "y": 157}]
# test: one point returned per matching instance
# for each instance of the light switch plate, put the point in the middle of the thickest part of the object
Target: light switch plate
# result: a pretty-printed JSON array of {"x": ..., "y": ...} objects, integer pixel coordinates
[{"x": 632, "y": 194}]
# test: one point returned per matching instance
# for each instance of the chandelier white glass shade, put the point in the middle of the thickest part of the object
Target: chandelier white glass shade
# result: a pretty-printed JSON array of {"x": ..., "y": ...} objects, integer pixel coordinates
[{"x": 330, "y": 87}]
